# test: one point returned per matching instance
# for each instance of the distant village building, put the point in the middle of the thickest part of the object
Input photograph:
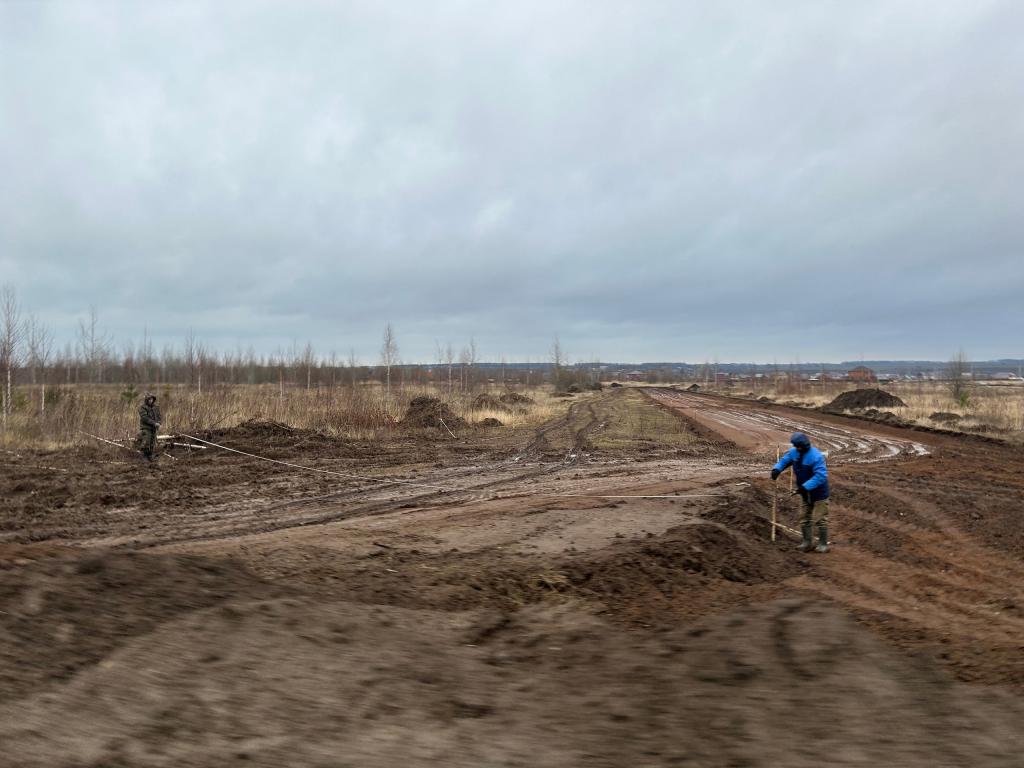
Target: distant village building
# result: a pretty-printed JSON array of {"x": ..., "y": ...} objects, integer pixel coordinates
[{"x": 862, "y": 375}]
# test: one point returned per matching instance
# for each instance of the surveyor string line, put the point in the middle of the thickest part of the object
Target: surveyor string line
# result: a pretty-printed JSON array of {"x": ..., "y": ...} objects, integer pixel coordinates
[
  {"x": 455, "y": 490},
  {"x": 317, "y": 469}
]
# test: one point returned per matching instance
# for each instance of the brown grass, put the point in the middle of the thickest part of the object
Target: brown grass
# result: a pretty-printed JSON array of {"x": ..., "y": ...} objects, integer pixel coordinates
[{"x": 360, "y": 412}]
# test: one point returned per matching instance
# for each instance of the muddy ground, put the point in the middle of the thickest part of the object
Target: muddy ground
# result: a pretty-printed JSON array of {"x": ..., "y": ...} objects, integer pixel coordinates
[{"x": 602, "y": 591}]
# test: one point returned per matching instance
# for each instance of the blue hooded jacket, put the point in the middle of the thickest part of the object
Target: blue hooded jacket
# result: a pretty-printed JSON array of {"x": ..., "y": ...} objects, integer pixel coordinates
[{"x": 809, "y": 469}]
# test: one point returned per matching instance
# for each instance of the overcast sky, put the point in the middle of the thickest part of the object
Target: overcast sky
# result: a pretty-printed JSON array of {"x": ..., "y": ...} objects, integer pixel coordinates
[{"x": 650, "y": 180}]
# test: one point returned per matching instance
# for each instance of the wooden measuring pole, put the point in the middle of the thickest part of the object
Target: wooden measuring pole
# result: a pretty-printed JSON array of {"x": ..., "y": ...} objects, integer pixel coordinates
[{"x": 775, "y": 497}]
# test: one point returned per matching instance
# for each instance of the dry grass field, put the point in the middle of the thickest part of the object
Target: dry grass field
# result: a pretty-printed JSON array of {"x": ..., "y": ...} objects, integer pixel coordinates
[{"x": 361, "y": 412}]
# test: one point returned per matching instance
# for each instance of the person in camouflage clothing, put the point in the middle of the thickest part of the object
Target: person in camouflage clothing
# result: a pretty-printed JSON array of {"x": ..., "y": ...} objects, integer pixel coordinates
[{"x": 149, "y": 423}]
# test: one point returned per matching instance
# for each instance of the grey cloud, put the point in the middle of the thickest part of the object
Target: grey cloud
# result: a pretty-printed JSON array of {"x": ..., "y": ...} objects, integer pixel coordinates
[{"x": 667, "y": 180}]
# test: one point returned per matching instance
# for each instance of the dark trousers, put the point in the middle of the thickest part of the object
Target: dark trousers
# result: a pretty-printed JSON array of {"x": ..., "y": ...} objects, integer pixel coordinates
[{"x": 146, "y": 441}]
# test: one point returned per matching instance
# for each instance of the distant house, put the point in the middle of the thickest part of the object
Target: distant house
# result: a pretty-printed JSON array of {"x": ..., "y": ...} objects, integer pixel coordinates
[{"x": 862, "y": 375}]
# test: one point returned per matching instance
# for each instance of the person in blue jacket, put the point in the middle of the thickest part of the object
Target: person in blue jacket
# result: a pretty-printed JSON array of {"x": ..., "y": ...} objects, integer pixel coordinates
[{"x": 812, "y": 484}]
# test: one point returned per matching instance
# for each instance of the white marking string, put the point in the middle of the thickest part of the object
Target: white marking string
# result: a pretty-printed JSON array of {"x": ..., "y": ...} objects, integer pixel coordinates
[
  {"x": 456, "y": 490},
  {"x": 317, "y": 469},
  {"x": 104, "y": 440}
]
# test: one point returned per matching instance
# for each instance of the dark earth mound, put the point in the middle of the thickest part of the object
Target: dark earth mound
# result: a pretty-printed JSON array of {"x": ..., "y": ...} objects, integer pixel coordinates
[
  {"x": 425, "y": 412},
  {"x": 488, "y": 402},
  {"x": 865, "y": 398},
  {"x": 515, "y": 398},
  {"x": 944, "y": 417},
  {"x": 62, "y": 614},
  {"x": 489, "y": 422},
  {"x": 791, "y": 683}
]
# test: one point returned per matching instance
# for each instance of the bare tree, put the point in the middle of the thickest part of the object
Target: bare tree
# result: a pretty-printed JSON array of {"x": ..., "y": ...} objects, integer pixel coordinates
[
  {"x": 191, "y": 356},
  {"x": 12, "y": 330},
  {"x": 465, "y": 359},
  {"x": 40, "y": 349},
  {"x": 557, "y": 360},
  {"x": 472, "y": 359},
  {"x": 959, "y": 373},
  {"x": 92, "y": 345},
  {"x": 308, "y": 358},
  {"x": 449, "y": 359},
  {"x": 352, "y": 363},
  {"x": 388, "y": 356}
]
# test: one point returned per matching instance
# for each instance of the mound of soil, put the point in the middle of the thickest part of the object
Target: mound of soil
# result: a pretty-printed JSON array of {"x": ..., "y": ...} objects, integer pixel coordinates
[
  {"x": 489, "y": 422},
  {"x": 883, "y": 416},
  {"x": 546, "y": 687},
  {"x": 693, "y": 388},
  {"x": 425, "y": 412},
  {"x": 258, "y": 428},
  {"x": 944, "y": 417},
  {"x": 515, "y": 398},
  {"x": 488, "y": 402},
  {"x": 58, "y": 615},
  {"x": 573, "y": 389},
  {"x": 765, "y": 399},
  {"x": 615, "y": 384},
  {"x": 865, "y": 398},
  {"x": 688, "y": 555}
]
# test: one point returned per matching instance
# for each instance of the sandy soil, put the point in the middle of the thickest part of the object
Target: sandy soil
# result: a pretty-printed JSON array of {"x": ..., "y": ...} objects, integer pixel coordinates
[{"x": 517, "y": 599}]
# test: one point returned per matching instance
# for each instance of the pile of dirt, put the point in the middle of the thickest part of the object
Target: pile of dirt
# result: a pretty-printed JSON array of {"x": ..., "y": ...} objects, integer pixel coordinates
[
  {"x": 615, "y": 384},
  {"x": 687, "y": 556},
  {"x": 258, "y": 428},
  {"x": 488, "y": 402},
  {"x": 885, "y": 417},
  {"x": 546, "y": 687},
  {"x": 765, "y": 399},
  {"x": 60, "y": 614},
  {"x": 865, "y": 398},
  {"x": 489, "y": 422},
  {"x": 515, "y": 398},
  {"x": 944, "y": 417},
  {"x": 693, "y": 388},
  {"x": 425, "y": 412}
]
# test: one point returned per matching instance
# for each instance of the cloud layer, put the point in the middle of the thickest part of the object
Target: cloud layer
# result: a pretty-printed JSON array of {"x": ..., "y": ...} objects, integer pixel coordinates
[{"x": 651, "y": 181}]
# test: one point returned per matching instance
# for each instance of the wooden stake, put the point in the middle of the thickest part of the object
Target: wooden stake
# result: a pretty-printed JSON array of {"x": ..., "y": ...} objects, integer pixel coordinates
[{"x": 775, "y": 497}]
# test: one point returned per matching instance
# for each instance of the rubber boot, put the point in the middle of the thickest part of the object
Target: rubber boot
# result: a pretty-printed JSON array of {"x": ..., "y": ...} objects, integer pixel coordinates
[
  {"x": 822, "y": 539},
  {"x": 806, "y": 545}
]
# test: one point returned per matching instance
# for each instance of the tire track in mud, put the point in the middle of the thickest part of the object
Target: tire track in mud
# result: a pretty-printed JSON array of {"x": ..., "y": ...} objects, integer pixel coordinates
[
  {"x": 905, "y": 566},
  {"x": 760, "y": 430},
  {"x": 229, "y": 521}
]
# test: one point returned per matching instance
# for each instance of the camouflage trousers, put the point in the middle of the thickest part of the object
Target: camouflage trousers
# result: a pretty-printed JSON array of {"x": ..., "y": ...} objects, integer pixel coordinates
[
  {"x": 146, "y": 441},
  {"x": 816, "y": 512}
]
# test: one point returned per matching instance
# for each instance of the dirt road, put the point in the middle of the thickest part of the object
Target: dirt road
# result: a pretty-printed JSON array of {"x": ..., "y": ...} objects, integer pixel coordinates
[
  {"x": 754, "y": 427},
  {"x": 519, "y": 598}
]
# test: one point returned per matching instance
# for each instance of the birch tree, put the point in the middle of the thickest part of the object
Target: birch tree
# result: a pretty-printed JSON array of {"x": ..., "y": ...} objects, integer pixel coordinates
[
  {"x": 40, "y": 350},
  {"x": 12, "y": 330},
  {"x": 388, "y": 356}
]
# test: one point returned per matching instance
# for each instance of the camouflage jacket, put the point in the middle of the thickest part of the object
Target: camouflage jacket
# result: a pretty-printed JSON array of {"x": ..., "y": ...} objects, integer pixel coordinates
[{"x": 149, "y": 416}]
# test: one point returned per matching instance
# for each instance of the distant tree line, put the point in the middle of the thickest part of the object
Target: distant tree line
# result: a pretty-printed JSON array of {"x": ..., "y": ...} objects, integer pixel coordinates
[{"x": 28, "y": 355}]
